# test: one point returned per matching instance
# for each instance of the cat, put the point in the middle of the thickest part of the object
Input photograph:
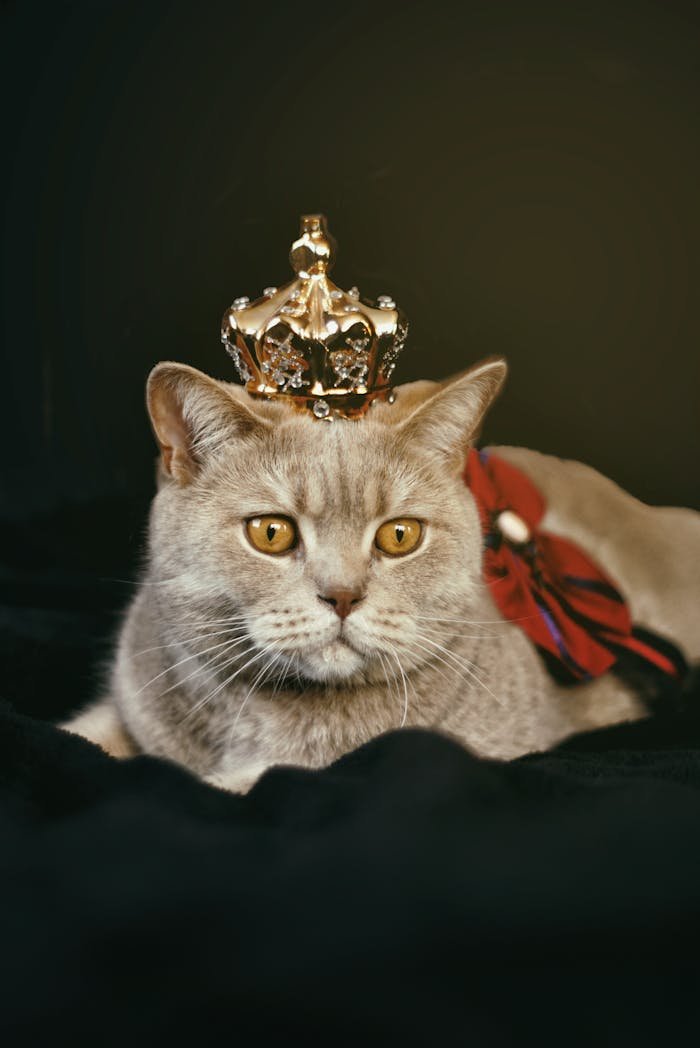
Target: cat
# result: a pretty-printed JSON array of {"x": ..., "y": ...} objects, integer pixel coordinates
[{"x": 279, "y": 621}]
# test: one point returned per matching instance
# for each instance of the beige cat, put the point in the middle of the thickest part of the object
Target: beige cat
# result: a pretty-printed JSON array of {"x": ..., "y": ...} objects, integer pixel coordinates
[{"x": 280, "y": 621}]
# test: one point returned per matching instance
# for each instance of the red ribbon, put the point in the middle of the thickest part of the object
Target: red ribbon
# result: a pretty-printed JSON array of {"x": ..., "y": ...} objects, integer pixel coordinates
[{"x": 568, "y": 607}]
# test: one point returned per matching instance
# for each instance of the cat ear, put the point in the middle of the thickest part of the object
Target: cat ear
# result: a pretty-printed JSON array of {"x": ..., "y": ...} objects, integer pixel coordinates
[
  {"x": 448, "y": 422},
  {"x": 191, "y": 415}
]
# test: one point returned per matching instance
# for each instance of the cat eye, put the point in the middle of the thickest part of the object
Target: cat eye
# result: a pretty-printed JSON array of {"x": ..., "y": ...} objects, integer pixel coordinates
[
  {"x": 398, "y": 537},
  {"x": 271, "y": 534}
]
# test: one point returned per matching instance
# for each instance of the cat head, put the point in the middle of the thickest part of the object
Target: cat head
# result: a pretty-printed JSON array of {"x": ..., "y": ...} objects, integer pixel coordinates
[{"x": 335, "y": 544}]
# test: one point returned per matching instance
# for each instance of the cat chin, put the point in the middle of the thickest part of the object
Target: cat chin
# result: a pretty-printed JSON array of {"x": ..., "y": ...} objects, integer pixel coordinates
[{"x": 333, "y": 662}]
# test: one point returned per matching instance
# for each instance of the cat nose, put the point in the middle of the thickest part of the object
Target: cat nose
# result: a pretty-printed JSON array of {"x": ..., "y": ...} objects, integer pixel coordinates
[{"x": 343, "y": 601}]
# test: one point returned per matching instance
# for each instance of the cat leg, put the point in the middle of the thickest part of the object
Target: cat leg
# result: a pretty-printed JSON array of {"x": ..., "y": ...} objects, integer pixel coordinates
[{"x": 100, "y": 723}]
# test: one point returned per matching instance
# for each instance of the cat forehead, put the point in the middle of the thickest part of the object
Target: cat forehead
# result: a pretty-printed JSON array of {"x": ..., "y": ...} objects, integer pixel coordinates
[
  {"x": 348, "y": 470},
  {"x": 351, "y": 472}
]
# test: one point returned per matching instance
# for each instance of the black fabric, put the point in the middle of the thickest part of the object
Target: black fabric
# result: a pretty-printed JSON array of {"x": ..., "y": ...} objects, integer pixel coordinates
[{"x": 410, "y": 894}]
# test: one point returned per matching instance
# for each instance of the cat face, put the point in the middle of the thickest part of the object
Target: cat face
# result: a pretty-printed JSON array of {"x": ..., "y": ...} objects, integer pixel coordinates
[{"x": 336, "y": 547}]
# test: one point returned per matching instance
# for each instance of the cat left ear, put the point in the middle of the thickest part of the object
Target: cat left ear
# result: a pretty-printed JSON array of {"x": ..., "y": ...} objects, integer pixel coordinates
[
  {"x": 448, "y": 422},
  {"x": 192, "y": 415}
]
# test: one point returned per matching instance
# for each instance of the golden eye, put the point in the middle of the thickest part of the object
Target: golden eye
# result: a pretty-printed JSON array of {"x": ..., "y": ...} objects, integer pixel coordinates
[
  {"x": 398, "y": 537},
  {"x": 271, "y": 534}
]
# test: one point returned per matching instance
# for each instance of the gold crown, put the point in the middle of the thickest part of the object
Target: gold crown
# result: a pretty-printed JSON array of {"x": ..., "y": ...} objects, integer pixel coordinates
[{"x": 325, "y": 350}]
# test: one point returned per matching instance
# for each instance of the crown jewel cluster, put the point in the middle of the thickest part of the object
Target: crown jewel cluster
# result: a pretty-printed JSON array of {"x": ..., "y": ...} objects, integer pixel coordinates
[{"x": 324, "y": 349}]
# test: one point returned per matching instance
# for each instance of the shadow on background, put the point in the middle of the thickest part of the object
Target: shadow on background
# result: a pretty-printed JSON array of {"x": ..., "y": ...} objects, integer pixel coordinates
[{"x": 521, "y": 178}]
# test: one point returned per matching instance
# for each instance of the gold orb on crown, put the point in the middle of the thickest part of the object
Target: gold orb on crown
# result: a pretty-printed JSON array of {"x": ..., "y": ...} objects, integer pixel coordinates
[{"x": 325, "y": 350}]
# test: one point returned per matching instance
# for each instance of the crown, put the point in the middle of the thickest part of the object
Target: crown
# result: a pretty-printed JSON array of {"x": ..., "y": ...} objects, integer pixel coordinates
[{"x": 325, "y": 350}]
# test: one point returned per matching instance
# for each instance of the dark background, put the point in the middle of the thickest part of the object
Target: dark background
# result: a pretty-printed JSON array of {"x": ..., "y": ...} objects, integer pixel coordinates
[{"x": 521, "y": 177}]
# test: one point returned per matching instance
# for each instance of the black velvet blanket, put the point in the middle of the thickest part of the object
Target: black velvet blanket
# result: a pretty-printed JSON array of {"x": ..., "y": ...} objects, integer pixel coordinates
[{"x": 409, "y": 895}]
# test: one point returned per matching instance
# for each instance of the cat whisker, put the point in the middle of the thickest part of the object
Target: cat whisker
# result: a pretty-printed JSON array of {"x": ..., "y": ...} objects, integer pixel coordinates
[
  {"x": 258, "y": 681},
  {"x": 386, "y": 675},
  {"x": 422, "y": 662},
  {"x": 124, "y": 582},
  {"x": 221, "y": 632},
  {"x": 281, "y": 675},
  {"x": 433, "y": 655},
  {"x": 405, "y": 686},
  {"x": 213, "y": 661},
  {"x": 466, "y": 663},
  {"x": 223, "y": 624},
  {"x": 218, "y": 668},
  {"x": 468, "y": 667},
  {"x": 187, "y": 640},
  {"x": 473, "y": 622},
  {"x": 229, "y": 680},
  {"x": 464, "y": 636},
  {"x": 147, "y": 582},
  {"x": 406, "y": 650},
  {"x": 188, "y": 658},
  {"x": 230, "y": 620}
]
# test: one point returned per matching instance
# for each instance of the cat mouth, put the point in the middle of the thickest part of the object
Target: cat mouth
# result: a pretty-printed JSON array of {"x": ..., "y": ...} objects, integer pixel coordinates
[
  {"x": 338, "y": 644},
  {"x": 337, "y": 659},
  {"x": 342, "y": 638}
]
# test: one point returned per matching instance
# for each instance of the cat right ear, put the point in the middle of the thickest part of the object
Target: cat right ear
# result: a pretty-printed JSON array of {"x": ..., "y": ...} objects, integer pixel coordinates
[
  {"x": 448, "y": 421},
  {"x": 192, "y": 415}
]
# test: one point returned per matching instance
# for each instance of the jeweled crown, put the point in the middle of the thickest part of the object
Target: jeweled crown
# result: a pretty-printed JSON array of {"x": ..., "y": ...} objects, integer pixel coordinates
[{"x": 326, "y": 350}]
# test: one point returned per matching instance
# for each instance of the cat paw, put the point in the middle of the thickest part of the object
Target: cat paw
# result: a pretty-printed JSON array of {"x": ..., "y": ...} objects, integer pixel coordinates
[
  {"x": 101, "y": 725},
  {"x": 240, "y": 781}
]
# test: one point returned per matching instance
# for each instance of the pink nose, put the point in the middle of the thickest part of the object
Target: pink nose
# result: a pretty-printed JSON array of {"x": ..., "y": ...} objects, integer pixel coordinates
[{"x": 343, "y": 601}]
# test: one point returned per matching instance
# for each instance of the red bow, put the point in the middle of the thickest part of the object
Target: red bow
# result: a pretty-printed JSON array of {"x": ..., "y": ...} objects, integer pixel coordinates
[{"x": 558, "y": 596}]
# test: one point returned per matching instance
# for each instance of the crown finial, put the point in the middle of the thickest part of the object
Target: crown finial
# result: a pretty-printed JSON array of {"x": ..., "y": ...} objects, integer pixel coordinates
[
  {"x": 322, "y": 349},
  {"x": 314, "y": 251}
]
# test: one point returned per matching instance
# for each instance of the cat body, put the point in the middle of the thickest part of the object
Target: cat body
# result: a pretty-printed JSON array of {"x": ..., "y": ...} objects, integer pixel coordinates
[{"x": 231, "y": 660}]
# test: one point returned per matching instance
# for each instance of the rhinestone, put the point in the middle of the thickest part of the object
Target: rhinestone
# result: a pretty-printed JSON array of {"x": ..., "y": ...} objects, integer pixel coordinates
[
  {"x": 331, "y": 327},
  {"x": 359, "y": 344},
  {"x": 241, "y": 367},
  {"x": 321, "y": 409},
  {"x": 349, "y": 364},
  {"x": 349, "y": 309},
  {"x": 241, "y": 302},
  {"x": 386, "y": 302},
  {"x": 296, "y": 380},
  {"x": 279, "y": 378},
  {"x": 513, "y": 528},
  {"x": 269, "y": 291},
  {"x": 288, "y": 309},
  {"x": 295, "y": 294},
  {"x": 354, "y": 292},
  {"x": 336, "y": 294}
]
